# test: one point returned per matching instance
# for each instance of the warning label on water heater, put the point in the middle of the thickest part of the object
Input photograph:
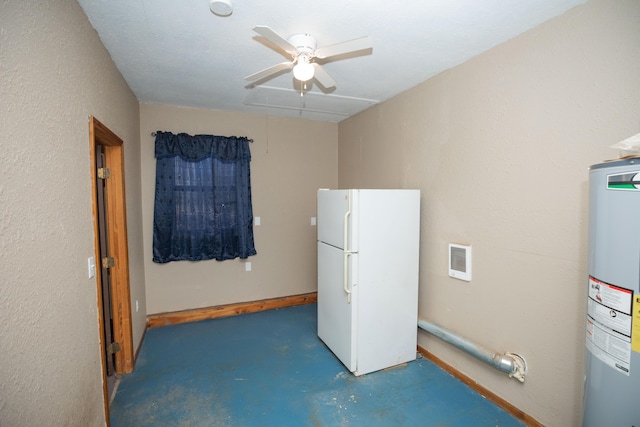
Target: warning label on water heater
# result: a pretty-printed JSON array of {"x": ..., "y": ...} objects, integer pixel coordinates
[
  {"x": 609, "y": 324},
  {"x": 635, "y": 330}
]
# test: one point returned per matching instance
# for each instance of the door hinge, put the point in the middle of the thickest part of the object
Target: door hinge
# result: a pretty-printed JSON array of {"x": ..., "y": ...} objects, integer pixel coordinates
[
  {"x": 108, "y": 262},
  {"x": 104, "y": 173},
  {"x": 114, "y": 347}
]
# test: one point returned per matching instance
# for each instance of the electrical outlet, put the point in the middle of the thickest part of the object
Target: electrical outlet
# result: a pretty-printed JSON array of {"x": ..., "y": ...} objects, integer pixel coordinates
[
  {"x": 256, "y": 220},
  {"x": 247, "y": 266},
  {"x": 92, "y": 267},
  {"x": 313, "y": 220},
  {"x": 137, "y": 307}
]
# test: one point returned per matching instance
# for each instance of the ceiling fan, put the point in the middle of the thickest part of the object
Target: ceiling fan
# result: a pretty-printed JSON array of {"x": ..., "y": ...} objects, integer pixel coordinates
[{"x": 304, "y": 53}]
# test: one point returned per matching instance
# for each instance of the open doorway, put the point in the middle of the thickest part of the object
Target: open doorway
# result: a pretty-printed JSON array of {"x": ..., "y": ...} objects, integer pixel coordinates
[{"x": 111, "y": 252}]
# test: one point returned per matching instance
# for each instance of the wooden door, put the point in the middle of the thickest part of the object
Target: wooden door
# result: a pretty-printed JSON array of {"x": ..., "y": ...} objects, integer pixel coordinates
[
  {"x": 105, "y": 276},
  {"x": 111, "y": 146}
]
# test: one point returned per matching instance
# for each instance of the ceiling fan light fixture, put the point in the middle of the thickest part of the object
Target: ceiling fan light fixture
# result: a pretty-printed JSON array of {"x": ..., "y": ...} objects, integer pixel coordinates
[{"x": 303, "y": 70}]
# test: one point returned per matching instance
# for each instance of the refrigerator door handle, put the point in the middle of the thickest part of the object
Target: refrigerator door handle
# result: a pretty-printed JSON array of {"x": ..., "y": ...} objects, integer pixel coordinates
[
  {"x": 347, "y": 252},
  {"x": 345, "y": 223},
  {"x": 345, "y": 282}
]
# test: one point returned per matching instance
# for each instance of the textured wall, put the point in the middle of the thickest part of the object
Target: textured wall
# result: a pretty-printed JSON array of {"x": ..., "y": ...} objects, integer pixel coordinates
[
  {"x": 55, "y": 73},
  {"x": 290, "y": 160},
  {"x": 500, "y": 147}
]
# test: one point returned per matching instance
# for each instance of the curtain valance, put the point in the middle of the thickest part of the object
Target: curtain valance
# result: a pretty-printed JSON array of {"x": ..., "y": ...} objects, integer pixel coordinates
[{"x": 194, "y": 148}]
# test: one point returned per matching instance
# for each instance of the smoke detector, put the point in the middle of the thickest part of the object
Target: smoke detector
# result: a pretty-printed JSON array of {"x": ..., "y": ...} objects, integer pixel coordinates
[{"x": 221, "y": 7}]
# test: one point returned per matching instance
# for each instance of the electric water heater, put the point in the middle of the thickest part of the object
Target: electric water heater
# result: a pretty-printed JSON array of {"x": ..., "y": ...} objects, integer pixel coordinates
[{"x": 612, "y": 369}]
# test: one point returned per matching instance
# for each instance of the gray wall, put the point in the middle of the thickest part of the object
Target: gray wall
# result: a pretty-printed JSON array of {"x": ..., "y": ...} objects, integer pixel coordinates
[
  {"x": 290, "y": 160},
  {"x": 54, "y": 74},
  {"x": 500, "y": 147}
]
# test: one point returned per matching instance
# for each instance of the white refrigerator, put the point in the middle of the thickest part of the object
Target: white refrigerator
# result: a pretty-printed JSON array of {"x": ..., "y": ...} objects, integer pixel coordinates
[{"x": 368, "y": 255}]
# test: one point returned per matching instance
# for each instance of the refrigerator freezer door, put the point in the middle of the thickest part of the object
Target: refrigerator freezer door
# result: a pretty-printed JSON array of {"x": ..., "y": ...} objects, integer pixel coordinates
[
  {"x": 334, "y": 206},
  {"x": 336, "y": 315}
]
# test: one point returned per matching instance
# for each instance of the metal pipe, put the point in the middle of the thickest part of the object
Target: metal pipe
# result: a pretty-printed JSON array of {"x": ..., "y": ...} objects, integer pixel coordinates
[{"x": 510, "y": 363}]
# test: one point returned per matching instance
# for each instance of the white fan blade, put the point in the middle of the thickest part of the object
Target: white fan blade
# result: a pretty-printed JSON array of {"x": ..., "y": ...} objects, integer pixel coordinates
[
  {"x": 323, "y": 77},
  {"x": 348, "y": 46},
  {"x": 271, "y": 71},
  {"x": 276, "y": 39}
]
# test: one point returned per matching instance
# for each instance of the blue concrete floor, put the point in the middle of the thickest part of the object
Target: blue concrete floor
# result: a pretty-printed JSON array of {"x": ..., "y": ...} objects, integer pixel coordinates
[{"x": 270, "y": 369}]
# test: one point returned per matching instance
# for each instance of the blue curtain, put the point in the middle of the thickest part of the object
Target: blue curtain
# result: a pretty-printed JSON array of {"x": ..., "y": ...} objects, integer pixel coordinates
[{"x": 202, "y": 199}]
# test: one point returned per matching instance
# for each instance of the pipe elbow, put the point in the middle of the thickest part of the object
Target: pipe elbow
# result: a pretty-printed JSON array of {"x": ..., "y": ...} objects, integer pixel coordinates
[
  {"x": 518, "y": 366},
  {"x": 511, "y": 363},
  {"x": 503, "y": 363}
]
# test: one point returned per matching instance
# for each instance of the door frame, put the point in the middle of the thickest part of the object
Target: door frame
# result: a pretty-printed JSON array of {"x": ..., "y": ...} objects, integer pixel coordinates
[{"x": 99, "y": 134}]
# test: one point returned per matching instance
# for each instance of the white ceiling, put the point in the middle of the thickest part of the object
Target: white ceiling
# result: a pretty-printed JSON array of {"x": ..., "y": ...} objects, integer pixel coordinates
[{"x": 177, "y": 52}]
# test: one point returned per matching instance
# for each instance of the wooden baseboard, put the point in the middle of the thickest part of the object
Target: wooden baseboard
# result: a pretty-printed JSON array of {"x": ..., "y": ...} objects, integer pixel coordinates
[
  {"x": 517, "y": 413},
  {"x": 185, "y": 316}
]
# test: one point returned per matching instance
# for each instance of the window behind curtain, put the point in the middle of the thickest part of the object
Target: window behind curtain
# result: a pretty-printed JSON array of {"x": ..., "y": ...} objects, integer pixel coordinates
[{"x": 203, "y": 198}]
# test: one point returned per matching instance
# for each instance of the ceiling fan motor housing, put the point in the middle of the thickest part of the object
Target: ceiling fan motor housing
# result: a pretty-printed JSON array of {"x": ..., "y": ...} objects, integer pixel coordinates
[{"x": 303, "y": 42}]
